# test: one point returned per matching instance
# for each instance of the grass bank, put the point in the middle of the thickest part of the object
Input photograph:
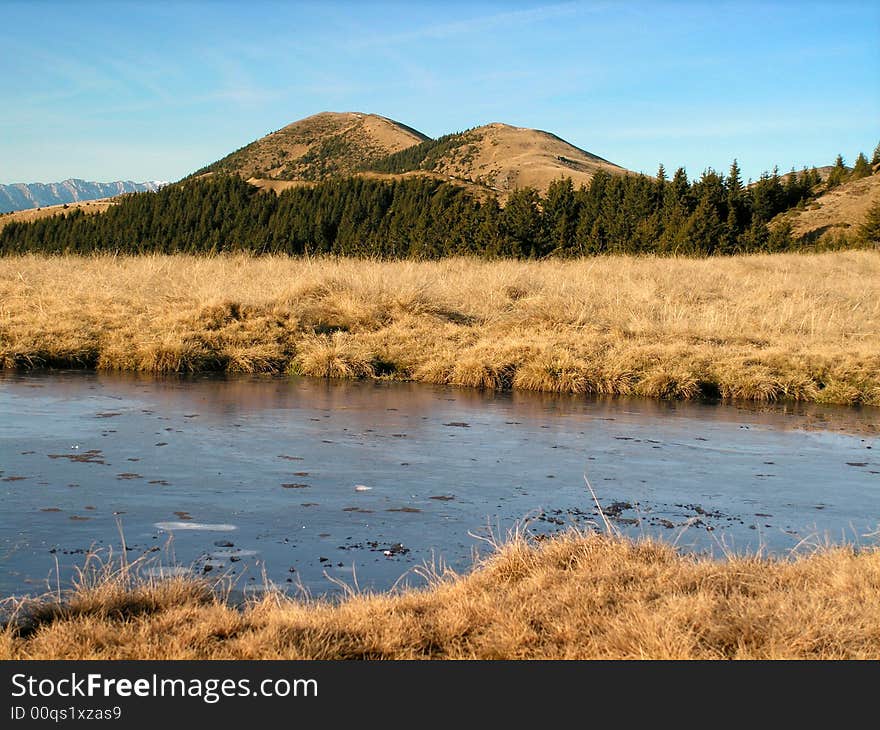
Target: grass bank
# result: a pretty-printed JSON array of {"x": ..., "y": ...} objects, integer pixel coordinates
[
  {"x": 575, "y": 596},
  {"x": 796, "y": 326}
]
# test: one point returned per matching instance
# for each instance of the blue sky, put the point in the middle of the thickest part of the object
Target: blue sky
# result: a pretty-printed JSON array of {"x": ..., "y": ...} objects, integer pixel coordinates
[{"x": 128, "y": 90}]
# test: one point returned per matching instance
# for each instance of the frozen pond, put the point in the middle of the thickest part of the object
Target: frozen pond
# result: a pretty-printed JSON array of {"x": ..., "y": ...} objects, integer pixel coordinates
[{"x": 298, "y": 480}]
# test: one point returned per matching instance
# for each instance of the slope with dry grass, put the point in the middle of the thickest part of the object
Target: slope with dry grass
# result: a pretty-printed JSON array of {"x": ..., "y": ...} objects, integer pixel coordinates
[
  {"x": 576, "y": 596},
  {"x": 319, "y": 146},
  {"x": 801, "y": 327},
  {"x": 505, "y": 158},
  {"x": 48, "y": 211},
  {"x": 841, "y": 210},
  {"x": 497, "y": 158}
]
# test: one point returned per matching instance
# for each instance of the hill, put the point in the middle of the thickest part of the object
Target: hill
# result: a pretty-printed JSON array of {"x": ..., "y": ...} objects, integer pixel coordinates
[
  {"x": 324, "y": 145},
  {"x": 840, "y": 210},
  {"x": 504, "y": 158},
  {"x": 34, "y": 214},
  {"x": 496, "y": 157},
  {"x": 24, "y": 196}
]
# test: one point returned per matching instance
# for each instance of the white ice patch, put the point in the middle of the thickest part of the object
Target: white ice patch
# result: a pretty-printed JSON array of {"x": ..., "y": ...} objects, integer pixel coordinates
[
  {"x": 171, "y": 526},
  {"x": 226, "y": 554},
  {"x": 167, "y": 571}
]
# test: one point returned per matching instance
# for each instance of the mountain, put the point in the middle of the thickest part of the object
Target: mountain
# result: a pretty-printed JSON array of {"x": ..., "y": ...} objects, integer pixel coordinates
[
  {"x": 503, "y": 158},
  {"x": 22, "y": 196},
  {"x": 318, "y": 147},
  {"x": 495, "y": 157}
]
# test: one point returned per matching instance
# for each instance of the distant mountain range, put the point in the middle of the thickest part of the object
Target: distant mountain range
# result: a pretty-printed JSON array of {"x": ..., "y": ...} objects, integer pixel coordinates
[{"x": 24, "y": 196}]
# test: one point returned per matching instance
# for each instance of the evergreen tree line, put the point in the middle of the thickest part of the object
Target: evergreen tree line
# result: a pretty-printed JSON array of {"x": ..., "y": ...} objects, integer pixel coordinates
[
  {"x": 422, "y": 156},
  {"x": 862, "y": 168},
  {"x": 426, "y": 218}
]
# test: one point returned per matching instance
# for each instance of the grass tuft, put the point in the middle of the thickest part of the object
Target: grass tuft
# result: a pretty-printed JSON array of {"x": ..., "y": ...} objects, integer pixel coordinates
[{"x": 332, "y": 356}]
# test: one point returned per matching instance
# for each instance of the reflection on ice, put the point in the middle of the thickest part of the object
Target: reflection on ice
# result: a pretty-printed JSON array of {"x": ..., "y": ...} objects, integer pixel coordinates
[
  {"x": 201, "y": 526},
  {"x": 166, "y": 571},
  {"x": 226, "y": 554}
]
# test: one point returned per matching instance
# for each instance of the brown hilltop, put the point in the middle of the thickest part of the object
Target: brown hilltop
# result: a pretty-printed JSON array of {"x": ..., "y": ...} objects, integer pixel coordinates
[
  {"x": 318, "y": 147},
  {"x": 504, "y": 158}
]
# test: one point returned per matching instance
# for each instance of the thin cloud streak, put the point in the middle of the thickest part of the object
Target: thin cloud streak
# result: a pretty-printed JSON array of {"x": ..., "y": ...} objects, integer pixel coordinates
[{"x": 475, "y": 25}]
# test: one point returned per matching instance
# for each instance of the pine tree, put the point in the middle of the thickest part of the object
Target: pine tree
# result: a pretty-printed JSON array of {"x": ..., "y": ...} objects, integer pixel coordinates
[
  {"x": 736, "y": 208},
  {"x": 837, "y": 175},
  {"x": 660, "y": 186},
  {"x": 861, "y": 168},
  {"x": 704, "y": 229},
  {"x": 673, "y": 239},
  {"x": 734, "y": 179},
  {"x": 792, "y": 188},
  {"x": 869, "y": 231},
  {"x": 681, "y": 189},
  {"x": 780, "y": 236},
  {"x": 732, "y": 232},
  {"x": 875, "y": 160},
  {"x": 755, "y": 237},
  {"x": 805, "y": 180},
  {"x": 523, "y": 224},
  {"x": 712, "y": 187},
  {"x": 560, "y": 213},
  {"x": 767, "y": 198}
]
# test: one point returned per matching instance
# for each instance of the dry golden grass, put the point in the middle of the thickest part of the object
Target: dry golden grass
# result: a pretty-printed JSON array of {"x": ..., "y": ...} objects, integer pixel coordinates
[
  {"x": 505, "y": 158},
  {"x": 47, "y": 211},
  {"x": 796, "y": 326},
  {"x": 575, "y": 596},
  {"x": 296, "y": 151},
  {"x": 840, "y": 210}
]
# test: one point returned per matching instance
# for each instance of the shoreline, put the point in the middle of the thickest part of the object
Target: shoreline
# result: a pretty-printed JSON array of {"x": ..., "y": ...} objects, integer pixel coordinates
[
  {"x": 613, "y": 598},
  {"x": 704, "y": 392},
  {"x": 798, "y": 327}
]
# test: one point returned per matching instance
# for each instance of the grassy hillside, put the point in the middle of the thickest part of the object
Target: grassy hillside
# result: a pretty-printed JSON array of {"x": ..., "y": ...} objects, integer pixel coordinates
[
  {"x": 505, "y": 158},
  {"x": 35, "y": 214},
  {"x": 835, "y": 214},
  {"x": 318, "y": 147},
  {"x": 501, "y": 158}
]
